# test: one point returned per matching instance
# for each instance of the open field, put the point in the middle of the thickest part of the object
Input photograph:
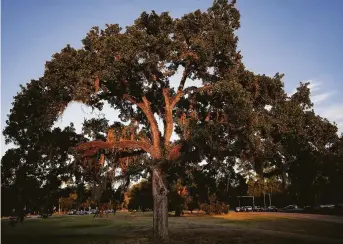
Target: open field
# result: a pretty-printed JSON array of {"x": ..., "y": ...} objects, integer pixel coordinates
[{"x": 137, "y": 228}]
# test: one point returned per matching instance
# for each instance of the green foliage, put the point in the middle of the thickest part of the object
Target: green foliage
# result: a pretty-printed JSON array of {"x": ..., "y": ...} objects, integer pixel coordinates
[{"x": 140, "y": 196}]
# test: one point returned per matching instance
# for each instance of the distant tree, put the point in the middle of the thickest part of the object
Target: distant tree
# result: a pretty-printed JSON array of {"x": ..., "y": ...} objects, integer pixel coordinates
[
  {"x": 301, "y": 147},
  {"x": 32, "y": 174},
  {"x": 81, "y": 193},
  {"x": 67, "y": 203},
  {"x": 140, "y": 196},
  {"x": 260, "y": 187}
]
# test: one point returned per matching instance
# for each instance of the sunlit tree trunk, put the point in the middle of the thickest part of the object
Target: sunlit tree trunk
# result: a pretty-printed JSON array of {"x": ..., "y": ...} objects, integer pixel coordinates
[{"x": 159, "y": 191}]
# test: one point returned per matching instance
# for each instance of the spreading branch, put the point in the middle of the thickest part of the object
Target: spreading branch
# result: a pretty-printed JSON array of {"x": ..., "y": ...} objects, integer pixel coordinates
[
  {"x": 146, "y": 109},
  {"x": 168, "y": 124},
  {"x": 130, "y": 154},
  {"x": 92, "y": 147}
]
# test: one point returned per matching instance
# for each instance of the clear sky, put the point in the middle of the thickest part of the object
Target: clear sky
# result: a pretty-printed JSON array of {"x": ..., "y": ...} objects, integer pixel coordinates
[{"x": 301, "y": 38}]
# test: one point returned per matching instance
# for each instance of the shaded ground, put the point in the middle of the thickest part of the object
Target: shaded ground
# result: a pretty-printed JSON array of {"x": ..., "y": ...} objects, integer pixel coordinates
[{"x": 137, "y": 228}]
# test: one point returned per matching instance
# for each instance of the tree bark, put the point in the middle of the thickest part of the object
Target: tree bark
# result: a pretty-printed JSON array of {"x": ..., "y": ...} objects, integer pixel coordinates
[{"x": 160, "y": 191}]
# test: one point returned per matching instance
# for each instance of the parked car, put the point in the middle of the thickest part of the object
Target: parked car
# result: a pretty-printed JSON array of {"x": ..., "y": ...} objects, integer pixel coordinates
[
  {"x": 239, "y": 209},
  {"x": 80, "y": 212},
  {"x": 248, "y": 209},
  {"x": 308, "y": 207},
  {"x": 92, "y": 211},
  {"x": 293, "y": 206},
  {"x": 271, "y": 209},
  {"x": 44, "y": 215},
  {"x": 258, "y": 209},
  {"x": 323, "y": 206},
  {"x": 72, "y": 212}
]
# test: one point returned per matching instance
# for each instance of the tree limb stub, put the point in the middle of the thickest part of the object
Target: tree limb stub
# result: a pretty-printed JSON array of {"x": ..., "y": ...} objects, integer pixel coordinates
[
  {"x": 177, "y": 98},
  {"x": 97, "y": 84},
  {"x": 175, "y": 152},
  {"x": 183, "y": 79}
]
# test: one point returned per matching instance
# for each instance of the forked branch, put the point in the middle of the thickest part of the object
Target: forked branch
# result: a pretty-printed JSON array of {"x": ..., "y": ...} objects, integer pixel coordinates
[
  {"x": 169, "y": 106},
  {"x": 146, "y": 109}
]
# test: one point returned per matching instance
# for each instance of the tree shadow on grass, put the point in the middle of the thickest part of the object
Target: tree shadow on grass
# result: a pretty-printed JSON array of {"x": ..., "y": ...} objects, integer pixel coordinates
[{"x": 76, "y": 239}]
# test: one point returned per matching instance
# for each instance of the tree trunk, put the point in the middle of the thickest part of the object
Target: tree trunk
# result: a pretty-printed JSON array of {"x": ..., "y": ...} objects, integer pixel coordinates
[
  {"x": 115, "y": 208},
  {"x": 177, "y": 211},
  {"x": 284, "y": 186},
  {"x": 160, "y": 191}
]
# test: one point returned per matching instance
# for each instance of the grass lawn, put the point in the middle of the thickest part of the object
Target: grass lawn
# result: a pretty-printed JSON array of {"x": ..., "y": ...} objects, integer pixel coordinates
[{"x": 137, "y": 228}]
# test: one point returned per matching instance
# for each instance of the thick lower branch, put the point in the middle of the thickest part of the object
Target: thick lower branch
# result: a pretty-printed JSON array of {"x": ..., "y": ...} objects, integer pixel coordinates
[
  {"x": 153, "y": 126},
  {"x": 130, "y": 154}
]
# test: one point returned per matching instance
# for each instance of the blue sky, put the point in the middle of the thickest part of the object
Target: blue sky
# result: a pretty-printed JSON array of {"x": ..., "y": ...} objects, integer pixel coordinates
[{"x": 302, "y": 39}]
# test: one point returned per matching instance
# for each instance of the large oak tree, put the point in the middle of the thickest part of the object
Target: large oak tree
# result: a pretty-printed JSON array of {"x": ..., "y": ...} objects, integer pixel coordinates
[{"x": 222, "y": 119}]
